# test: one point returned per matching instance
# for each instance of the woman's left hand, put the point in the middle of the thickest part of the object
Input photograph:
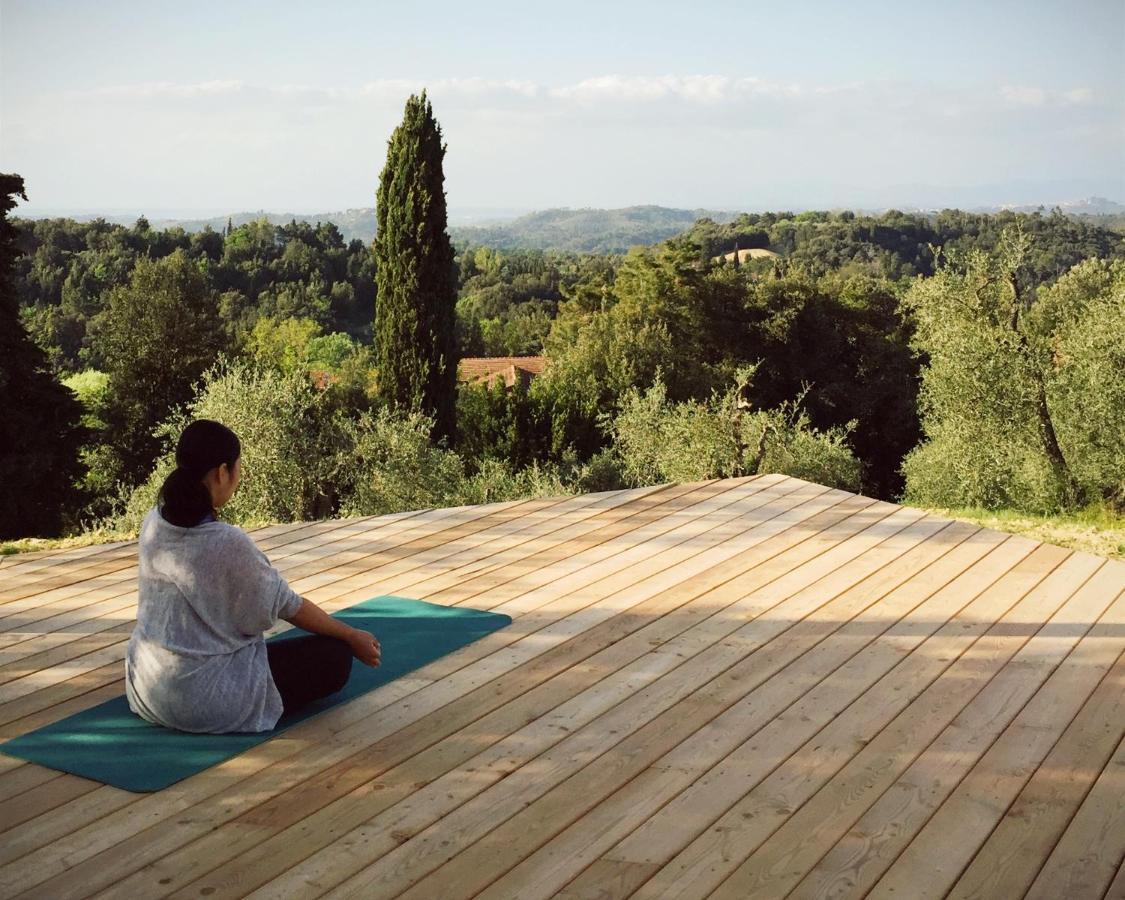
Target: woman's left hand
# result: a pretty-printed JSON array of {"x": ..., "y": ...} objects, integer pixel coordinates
[{"x": 365, "y": 647}]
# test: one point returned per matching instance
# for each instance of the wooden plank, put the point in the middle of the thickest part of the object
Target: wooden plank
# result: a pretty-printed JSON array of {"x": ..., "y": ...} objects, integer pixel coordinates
[
  {"x": 23, "y": 778},
  {"x": 284, "y": 547},
  {"x": 49, "y": 827},
  {"x": 926, "y": 603},
  {"x": 56, "y": 792},
  {"x": 29, "y": 870},
  {"x": 1015, "y": 852},
  {"x": 1116, "y": 890},
  {"x": 36, "y": 560},
  {"x": 46, "y": 697},
  {"x": 1085, "y": 861},
  {"x": 398, "y": 772},
  {"x": 927, "y": 599},
  {"x": 526, "y": 539},
  {"x": 482, "y": 543},
  {"x": 52, "y": 573},
  {"x": 120, "y": 646},
  {"x": 76, "y": 648},
  {"x": 357, "y": 708},
  {"x": 606, "y": 879},
  {"x": 908, "y": 806},
  {"x": 935, "y": 672},
  {"x": 94, "y": 614},
  {"x": 112, "y": 687},
  {"x": 611, "y": 555}
]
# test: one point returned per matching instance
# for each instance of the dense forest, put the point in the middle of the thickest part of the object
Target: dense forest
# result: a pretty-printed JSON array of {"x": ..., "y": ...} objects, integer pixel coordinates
[{"x": 952, "y": 359}]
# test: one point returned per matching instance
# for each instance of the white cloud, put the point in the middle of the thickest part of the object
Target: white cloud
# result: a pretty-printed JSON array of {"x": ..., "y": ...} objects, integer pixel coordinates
[
  {"x": 1078, "y": 95},
  {"x": 703, "y": 89},
  {"x": 1022, "y": 95},
  {"x": 149, "y": 89},
  {"x": 706, "y": 89}
]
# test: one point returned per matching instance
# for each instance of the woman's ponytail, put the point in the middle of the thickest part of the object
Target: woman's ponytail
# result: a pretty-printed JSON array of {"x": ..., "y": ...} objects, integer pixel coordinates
[{"x": 184, "y": 499}]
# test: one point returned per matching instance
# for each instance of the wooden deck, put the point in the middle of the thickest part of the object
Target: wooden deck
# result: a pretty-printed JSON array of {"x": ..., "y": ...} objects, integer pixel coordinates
[{"x": 744, "y": 688}]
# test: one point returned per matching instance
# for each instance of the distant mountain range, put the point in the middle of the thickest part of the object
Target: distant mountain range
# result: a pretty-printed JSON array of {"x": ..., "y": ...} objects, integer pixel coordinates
[
  {"x": 576, "y": 230},
  {"x": 588, "y": 230},
  {"x": 1091, "y": 206}
]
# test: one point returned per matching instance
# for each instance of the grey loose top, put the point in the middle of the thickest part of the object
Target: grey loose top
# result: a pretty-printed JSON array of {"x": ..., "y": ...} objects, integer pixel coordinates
[{"x": 197, "y": 658}]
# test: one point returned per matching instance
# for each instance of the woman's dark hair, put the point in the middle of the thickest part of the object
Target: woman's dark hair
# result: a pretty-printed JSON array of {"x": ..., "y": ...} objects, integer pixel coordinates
[{"x": 184, "y": 498}]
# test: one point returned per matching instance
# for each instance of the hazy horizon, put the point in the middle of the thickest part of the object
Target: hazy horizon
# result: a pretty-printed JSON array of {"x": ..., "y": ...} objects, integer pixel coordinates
[
  {"x": 470, "y": 215},
  {"x": 286, "y": 108}
]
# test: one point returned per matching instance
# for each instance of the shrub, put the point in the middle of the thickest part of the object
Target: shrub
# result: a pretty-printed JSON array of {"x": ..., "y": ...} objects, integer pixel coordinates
[
  {"x": 387, "y": 464},
  {"x": 290, "y": 442},
  {"x": 658, "y": 441}
]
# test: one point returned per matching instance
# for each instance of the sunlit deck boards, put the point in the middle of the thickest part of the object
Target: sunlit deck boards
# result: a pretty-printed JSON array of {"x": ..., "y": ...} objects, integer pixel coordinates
[{"x": 745, "y": 688}]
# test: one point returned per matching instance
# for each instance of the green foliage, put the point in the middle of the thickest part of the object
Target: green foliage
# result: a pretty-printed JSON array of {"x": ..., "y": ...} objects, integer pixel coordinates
[
  {"x": 1096, "y": 528},
  {"x": 657, "y": 320},
  {"x": 658, "y": 441},
  {"x": 392, "y": 466},
  {"x": 39, "y": 418},
  {"x": 896, "y": 245},
  {"x": 822, "y": 322},
  {"x": 304, "y": 458},
  {"x": 331, "y": 352},
  {"x": 158, "y": 335},
  {"x": 258, "y": 269},
  {"x": 284, "y": 344},
  {"x": 415, "y": 330},
  {"x": 1022, "y": 403},
  {"x": 290, "y": 437},
  {"x": 1080, "y": 323},
  {"x": 843, "y": 337},
  {"x": 498, "y": 423},
  {"x": 840, "y": 340},
  {"x": 90, "y": 387},
  {"x": 496, "y": 481}
]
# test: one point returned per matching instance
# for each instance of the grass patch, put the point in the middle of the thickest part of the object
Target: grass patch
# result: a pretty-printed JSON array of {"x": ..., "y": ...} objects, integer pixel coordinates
[
  {"x": 85, "y": 539},
  {"x": 1095, "y": 529}
]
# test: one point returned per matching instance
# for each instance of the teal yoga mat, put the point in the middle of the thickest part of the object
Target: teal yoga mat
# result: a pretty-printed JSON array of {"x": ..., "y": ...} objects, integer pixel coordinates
[{"x": 109, "y": 743}]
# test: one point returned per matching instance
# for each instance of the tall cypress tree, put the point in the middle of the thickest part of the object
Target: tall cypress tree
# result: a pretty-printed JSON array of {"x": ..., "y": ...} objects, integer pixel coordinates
[
  {"x": 415, "y": 342},
  {"x": 39, "y": 418}
]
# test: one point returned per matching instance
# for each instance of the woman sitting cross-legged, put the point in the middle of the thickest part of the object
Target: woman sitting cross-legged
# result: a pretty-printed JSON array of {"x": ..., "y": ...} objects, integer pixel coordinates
[{"x": 197, "y": 659}]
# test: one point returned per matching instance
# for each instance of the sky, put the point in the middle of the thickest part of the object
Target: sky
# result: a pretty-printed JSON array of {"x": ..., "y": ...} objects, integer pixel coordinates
[{"x": 215, "y": 107}]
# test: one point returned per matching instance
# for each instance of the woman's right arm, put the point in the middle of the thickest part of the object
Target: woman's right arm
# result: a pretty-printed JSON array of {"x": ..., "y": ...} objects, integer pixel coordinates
[{"x": 310, "y": 617}]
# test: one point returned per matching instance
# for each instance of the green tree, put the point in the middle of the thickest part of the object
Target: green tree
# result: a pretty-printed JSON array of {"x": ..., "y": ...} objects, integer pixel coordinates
[
  {"x": 415, "y": 322},
  {"x": 283, "y": 344},
  {"x": 1021, "y": 398},
  {"x": 39, "y": 418},
  {"x": 157, "y": 336}
]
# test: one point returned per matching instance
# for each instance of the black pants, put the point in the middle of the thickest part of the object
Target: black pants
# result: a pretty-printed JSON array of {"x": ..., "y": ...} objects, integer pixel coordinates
[{"x": 308, "y": 668}]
